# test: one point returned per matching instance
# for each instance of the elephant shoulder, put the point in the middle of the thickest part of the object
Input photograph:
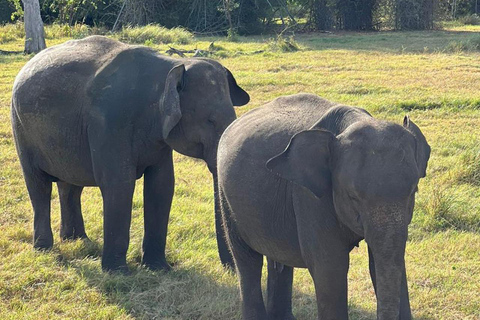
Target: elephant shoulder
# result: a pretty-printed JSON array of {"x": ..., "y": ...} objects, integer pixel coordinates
[{"x": 125, "y": 77}]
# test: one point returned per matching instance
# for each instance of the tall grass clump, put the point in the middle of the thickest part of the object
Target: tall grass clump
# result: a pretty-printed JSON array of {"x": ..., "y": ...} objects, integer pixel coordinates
[
  {"x": 464, "y": 46},
  {"x": 443, "y": 209},
  {"x": 471, "y": 19},
  {"x": 154, "y": 34},
  {"x": 283, "y": 44},
  {"x": 11, "y": 32},
  {"x": 77, "y": 31},
  {"x": 436, "y": 209},
  {"x": 470, "y": 167}
]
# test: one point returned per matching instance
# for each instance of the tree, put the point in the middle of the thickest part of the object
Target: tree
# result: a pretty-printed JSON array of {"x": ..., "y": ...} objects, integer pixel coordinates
[
  {"x": 34, "y": 33},
  {"x": 414, "y": 14}
]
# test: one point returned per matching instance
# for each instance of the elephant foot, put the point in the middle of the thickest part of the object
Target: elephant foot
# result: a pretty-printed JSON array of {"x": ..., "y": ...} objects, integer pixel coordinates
[
  {"x": 288, "y": 316},
  {"x": 114, "y": 264},
  {"x": 116, "y": 268},
  {"x": 119, "y": 270},
  {"x": 43, "y": 243},
  {"x": 73, "y": 236},
  {"x": 156, "y": 265}
]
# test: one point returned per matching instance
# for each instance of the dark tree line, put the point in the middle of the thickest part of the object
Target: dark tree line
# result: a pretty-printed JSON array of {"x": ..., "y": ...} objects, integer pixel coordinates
[{"x": 253, "y": 16}]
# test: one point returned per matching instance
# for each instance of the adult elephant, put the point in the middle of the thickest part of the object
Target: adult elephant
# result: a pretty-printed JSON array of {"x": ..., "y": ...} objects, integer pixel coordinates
[
  {"x": 97, "y": 112},
  {"x": 302, "y": 181}
]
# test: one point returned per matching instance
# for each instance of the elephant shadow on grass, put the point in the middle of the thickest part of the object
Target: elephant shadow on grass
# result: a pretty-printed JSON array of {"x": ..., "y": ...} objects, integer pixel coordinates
[{"x": 189, "y": 291}]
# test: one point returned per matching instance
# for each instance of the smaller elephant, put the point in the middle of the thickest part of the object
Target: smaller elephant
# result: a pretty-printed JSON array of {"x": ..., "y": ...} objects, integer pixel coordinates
[{"x": 301, "y": 181}]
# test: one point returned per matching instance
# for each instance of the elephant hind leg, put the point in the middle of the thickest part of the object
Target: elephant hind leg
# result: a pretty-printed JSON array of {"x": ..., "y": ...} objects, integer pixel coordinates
[
  {"x": 39, "y": 186},
  {"x": 279, "y": 291},
  {"x": 248, "y": 264},
  {"x": 72, "y": 226},
  {"x": 249, "y": 269}
]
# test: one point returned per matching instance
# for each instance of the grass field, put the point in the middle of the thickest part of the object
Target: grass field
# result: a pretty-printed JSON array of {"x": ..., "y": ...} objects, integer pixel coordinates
[{"x": 433, "y": 76}]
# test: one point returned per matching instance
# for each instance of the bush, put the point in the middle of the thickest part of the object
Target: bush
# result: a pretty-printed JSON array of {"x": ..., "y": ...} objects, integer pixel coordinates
[
  {"x": 11, "y": 32},
  {"x": 154, "y": 34},
  {"x": 472, "y": 19},
  {"x": 76, "y": 31}
]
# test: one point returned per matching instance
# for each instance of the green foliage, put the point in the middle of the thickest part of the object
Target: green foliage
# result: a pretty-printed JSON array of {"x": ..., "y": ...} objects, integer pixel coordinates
[
  {"x": 69, "y": 11},
  {"x": 154, "y": 34},
  {"x": 244, "y": 16},
  {"x": 232, "y": 35},
  {"x": 18, "y": 13}
]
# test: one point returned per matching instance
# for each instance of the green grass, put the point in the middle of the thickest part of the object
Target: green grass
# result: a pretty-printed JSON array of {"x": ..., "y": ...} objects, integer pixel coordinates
[{"x": 388, "y": 73}]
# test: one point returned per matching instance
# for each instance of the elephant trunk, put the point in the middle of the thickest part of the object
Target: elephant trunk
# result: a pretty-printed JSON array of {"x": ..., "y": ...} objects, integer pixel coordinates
[
  {"x": 386, "y": 243},
  {"x": 223, "y": 251}
]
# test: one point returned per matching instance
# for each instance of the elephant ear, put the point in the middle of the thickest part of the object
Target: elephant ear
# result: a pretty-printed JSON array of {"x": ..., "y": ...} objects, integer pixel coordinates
[
  {"x": 306, "y": 161},
  {"x": 422, "y": 149},
  {"x": 170, "y": 112},
  {"x": 238, "y": 96},
  {"x": 115, "y": 81}
]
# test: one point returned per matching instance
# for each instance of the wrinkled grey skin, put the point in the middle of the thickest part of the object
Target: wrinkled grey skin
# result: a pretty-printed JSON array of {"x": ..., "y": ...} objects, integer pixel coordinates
[
  {"x": 97, "y": 112},
  {"x": 302, "y": 181}
]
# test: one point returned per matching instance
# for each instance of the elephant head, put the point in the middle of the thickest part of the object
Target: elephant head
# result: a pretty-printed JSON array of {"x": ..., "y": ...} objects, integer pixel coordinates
[
  {"x": 191, "y": 99},
  {"x": 197, "y": 106},
  {"x": 370, "y": 171}
]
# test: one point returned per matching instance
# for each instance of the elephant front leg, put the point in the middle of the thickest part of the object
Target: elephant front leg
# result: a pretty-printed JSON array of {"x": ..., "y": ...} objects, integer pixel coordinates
[
  {"x": 117, "y": 215},
  {"x": 330, "y": 278},
  {"x": 325, "y": 251},
  {"x": 279, "y": 291},
  {"x": 158, "y": 193}
]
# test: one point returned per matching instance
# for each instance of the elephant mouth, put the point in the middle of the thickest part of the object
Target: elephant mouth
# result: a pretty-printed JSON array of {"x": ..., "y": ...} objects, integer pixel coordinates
[{"x": 210, "y": 156}]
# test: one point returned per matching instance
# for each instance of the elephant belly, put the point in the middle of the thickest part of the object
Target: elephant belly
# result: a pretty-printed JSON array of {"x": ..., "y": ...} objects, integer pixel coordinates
[
  {"x": 262, "y": 211},
  {"x": 59, "y": 148}
]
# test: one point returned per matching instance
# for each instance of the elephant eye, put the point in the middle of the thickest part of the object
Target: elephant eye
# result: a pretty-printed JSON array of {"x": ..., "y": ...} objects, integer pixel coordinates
[{"x": 212, "y": 123}]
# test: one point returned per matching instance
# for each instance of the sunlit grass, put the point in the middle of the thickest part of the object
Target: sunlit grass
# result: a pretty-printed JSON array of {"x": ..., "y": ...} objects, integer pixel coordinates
[{"x": 388, "y": 73}]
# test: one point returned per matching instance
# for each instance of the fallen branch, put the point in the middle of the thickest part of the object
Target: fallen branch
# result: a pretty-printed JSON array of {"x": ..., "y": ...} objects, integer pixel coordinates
[
  {"x": 10, "y": 52},
  {"x": 212, "y": 49},
  {"x": 181, "y": 53}
]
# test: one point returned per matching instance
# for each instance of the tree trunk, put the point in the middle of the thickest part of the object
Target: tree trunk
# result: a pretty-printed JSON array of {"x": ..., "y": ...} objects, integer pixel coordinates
[{"x": 34, "y": 33}]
